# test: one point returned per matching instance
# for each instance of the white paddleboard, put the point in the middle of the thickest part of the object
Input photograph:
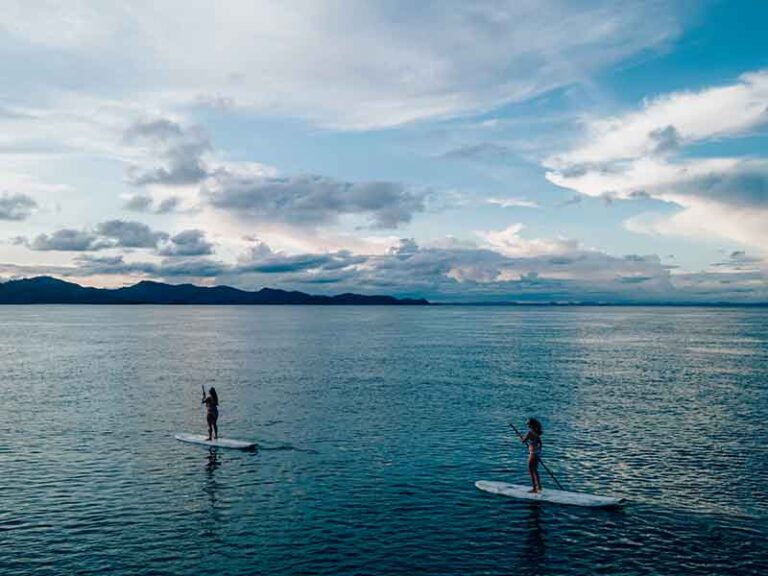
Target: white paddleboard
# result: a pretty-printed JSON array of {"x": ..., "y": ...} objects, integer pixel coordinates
[
  {"x": 218, "y": 443},
  {"x": 548, "y": 495}
]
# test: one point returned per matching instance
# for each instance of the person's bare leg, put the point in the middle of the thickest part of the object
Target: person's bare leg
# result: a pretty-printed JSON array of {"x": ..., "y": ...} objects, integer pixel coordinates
[
  {"x": 210, "y": 429},
  {"x": 533, "y": 473},
  {"x": 215, "y": 430}
]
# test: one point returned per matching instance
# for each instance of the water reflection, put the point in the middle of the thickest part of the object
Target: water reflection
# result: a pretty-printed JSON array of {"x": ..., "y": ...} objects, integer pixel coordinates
[
  {"x": 213, "y": 461},
  {"x": 211, "y": 488},
  {"x": 535, "y": 548}
]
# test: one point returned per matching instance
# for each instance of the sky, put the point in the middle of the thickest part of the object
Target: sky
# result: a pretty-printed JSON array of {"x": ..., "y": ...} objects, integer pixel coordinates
[{"x": 522, "y": 151}]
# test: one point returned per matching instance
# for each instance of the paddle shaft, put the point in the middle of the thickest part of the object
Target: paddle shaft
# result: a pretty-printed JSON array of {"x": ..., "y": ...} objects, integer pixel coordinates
[{"x": 540, "y": 460}]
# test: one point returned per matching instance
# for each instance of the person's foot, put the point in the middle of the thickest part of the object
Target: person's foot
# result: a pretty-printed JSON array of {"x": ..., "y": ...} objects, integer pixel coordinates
[
  {"x": 532, "y": 491},
  {"x": 208, "y": 439}
]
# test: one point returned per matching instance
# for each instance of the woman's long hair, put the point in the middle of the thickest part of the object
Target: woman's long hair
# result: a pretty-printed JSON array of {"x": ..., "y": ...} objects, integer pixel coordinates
[
  {"x": 532, "y": 422},
  {"x": 214, "y": 396}
]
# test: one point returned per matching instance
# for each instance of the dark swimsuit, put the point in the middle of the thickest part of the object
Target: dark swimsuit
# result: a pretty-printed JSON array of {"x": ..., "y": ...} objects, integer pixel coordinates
[{"x": 534, "y": 447}]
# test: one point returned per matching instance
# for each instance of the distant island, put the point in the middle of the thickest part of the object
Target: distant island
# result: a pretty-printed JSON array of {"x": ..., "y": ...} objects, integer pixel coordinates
[{"x": 48, "y": 290}]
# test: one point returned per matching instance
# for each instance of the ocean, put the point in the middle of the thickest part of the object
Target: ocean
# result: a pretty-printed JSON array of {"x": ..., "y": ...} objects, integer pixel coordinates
[{"x": 373, "y": 425}]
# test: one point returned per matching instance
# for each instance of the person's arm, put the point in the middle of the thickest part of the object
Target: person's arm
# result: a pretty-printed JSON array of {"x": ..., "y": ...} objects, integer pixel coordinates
[{"x": 526, "y": 438}]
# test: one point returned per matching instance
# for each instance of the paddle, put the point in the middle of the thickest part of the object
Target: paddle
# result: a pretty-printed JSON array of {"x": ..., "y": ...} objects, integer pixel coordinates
[{"x": 542, "y": 463}]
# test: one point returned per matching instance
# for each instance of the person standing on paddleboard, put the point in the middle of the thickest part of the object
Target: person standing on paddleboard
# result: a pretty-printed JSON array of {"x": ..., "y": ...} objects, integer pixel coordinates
[
  {"x": 533, "y": 439},
  {"x": 211, "y": 402}
]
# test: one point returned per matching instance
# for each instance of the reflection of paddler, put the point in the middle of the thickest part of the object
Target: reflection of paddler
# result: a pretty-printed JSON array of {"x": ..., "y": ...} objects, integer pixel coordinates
[{"x": 211, "y": 402}]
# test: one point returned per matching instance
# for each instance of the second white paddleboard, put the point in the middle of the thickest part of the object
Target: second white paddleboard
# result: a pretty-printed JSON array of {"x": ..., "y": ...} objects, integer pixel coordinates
[
  {"x": 218, "y": 443},
  {"x": 548, "y": 495}
]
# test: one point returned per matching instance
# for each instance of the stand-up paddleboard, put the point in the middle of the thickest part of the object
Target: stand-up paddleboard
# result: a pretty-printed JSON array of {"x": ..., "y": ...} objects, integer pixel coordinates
[
  {"x": 547, "y": 495},
  {"x": 218, "y": 443}
]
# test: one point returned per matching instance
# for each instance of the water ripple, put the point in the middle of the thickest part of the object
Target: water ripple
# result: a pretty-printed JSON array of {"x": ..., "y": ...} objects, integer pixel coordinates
[{"x": 373, "y": 424}]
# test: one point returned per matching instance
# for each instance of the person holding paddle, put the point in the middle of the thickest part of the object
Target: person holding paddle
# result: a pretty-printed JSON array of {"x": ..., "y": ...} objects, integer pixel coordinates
[
  {"x": 532, "y": 439},
  {"x": 211, "y": 402}
]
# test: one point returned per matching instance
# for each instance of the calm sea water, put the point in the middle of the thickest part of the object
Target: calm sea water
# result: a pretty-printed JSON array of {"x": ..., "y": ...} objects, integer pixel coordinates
[{"x": 374, "y": 423}]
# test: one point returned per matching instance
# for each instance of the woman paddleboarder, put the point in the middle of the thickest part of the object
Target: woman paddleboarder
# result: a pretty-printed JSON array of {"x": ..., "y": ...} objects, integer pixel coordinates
[
  {"x": 533, "y": 439},
  {"x": 211, "y": 402}
]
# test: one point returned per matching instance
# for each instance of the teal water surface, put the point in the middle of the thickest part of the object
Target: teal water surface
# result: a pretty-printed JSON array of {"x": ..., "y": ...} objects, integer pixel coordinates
[{"x": 374, "y": 424}]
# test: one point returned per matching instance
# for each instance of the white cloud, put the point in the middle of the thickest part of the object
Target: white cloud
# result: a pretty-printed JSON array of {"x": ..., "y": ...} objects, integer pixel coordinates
[
  {"x": 513, "y": 203},
  {"x": 636, "y": 155},
  {"x": 705, "y": 220},
  {"x": 672, "y": 120},
  {"x": 510, "y": 243},
  {"x": 344, "y": 64}
]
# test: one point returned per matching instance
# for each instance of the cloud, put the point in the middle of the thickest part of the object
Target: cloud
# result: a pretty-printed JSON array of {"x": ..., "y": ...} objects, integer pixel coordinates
[
  {"x": 379, "y": 64},
  {"x": 312, "y": 200},
  {"x": 672, "y": 120},
  {"x": 510, "y": 243},
  {"x": 180, "y": 150},
  {"x": 108, "y": 234},
  {"x": 254, "y": 191},
  {"x": 139, "y": 203},
  {"x": 740, "y": 261},
  {"x": 665, "y": 139},
  {"x": 187, "y": 268},
  {"x": 67, "y": 240},
  {"x": 146, "y": 203},
  {"x": 16, "y": 206},
  {"x": 513, "y": 203},
  {"x": 483, "y": 152},
  {"x": 261, "y": 259},
  {"x": 187, "y": 243},
  {"x": 129, "y": 234},
  {"x": 644, "y": 154},
  {"x": 453, "y": 272}
]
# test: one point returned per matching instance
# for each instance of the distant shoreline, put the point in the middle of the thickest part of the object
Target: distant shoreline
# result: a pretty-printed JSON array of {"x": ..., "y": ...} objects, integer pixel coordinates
[{"x": 46, "y": 290}]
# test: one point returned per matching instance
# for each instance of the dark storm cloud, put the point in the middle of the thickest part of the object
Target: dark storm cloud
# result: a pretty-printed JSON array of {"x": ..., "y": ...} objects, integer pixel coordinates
[
  {"x": 187, "y": 243},
  {"x": 313, "y": 200},
  {"x": 261, "y": 259},
  {"x": 108, "y": 234},
  {"x": 191, "y": 268},
  {"x": 168, "y": 268},
  {"x": 129, "y": 234},
  {"x": 180, "y": 152},
  {"x": 67, "y": 240},
  {"x": 88, "y": 264},
  {"x": 16, "y": 206}
]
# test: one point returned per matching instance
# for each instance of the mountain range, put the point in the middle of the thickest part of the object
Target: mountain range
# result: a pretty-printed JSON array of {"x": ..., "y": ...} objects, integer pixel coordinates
[{"x": 48, "y": 290}]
